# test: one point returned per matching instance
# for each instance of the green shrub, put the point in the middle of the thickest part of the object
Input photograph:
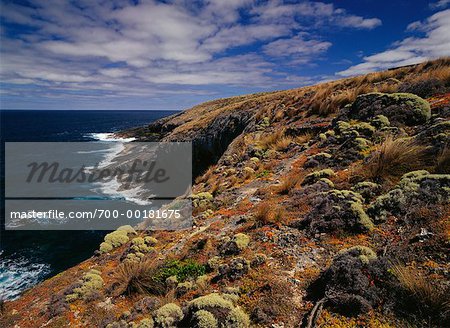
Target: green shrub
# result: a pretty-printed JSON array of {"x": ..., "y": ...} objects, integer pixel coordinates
[
  {"x": 224, "y": 311},
  {"x": 116, "y": 238},
  {"x": 90, "y": 283},
  {"x": 237, "y": 319},
  {"x": 145, "y": 323},
  {"x": 205, "y": 319},
  {"x": 181, "y": 269}
]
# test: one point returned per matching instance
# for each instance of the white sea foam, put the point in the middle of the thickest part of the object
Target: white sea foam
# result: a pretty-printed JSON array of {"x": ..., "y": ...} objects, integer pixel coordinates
[
  {"x": 112, "y": 188},
  {"x": 19, "y": 274},
  {"x": 109, "y": 137}
]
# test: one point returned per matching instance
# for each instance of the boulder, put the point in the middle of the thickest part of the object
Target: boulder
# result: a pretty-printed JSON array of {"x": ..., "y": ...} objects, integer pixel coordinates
[{"x": 400, "y": 108}]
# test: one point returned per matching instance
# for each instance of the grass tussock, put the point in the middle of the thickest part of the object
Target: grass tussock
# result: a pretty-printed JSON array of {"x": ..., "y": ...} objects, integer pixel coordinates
[
  {"x": 138, "y": 277},
  {"x": 395, "y": 157},
  {"x": 303, "y": 138},
  {"x": 287, "y": 184},
  {"x": 206, "y": 176},
  {"x": 277, "y": 141},
  {"x": 267, "y": 214},
  {"x": 429, "y": 296},
  {"x": 443, "y": 161}
]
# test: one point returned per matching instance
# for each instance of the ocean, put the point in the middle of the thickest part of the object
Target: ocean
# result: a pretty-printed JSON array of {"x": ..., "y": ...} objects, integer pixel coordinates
[{"x": 28, "y": 257}]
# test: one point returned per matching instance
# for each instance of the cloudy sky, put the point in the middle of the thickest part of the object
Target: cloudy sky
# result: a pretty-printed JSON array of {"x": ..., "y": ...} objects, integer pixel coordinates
[{"x": 119, "y": 54}]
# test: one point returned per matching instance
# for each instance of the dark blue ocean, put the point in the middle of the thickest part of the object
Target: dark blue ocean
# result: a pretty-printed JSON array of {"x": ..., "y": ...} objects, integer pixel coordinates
[{"x": 28, "y": 257}]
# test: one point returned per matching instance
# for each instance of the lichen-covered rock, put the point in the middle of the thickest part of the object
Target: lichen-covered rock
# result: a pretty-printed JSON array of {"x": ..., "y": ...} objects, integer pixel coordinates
[
  {"x": 367, "y": 189},
  {"x": 338, "y": 210},
  {"x": 105, "y": 247},
  {"x": 258, "y": 259},
  {"x": 317, "y": 175},
  {"x": 117, "y": 238},
  {"x": 348, "y": 285},
  {"x": 380, "y": 121},
  {"x": 365, "y": 254},
  {"x": 437, "y": 134},
  {"x": 168, "y": 316},
  {"x": 399, "y": 108},
  {"x": 234, "y": 245},
  {"x": 202, "y": 281},
  {"x": 119, "y": 324},
  {"x": 202, "y": 199},
  {"x": 183, "y": 288},
  {"x": 213, "y": 263},
  {"x": 128, "y": 229},
  {"x": 423, "y": 88},
  {"x": 146, "y": 304},
  {"x": 235, "y": 269},
  {"x": 417, "y": 187},
  {"x": 317, "y": 159},
  {"x": 138, "y": 248},
  {"x": 172, "y": 282}
]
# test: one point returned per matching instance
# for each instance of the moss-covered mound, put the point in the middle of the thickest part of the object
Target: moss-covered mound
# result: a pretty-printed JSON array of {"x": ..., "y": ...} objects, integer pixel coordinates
[
  {"x": 338, "y": 210},
  {"x": 350, "y": 284},
  {"x": 415, "y": 189},
  {"x": 399, "y": 108},
  {"x": 217, "y": 310}
]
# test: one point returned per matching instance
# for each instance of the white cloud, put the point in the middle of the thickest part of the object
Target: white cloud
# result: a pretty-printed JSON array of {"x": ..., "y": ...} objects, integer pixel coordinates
[
  {"x": 435, "y": 43},
  {"x": 296, "y": 46},
  {"x": 322, "y": 13},
  {"x": 120, "y": 47},
  {"x": 439, "y": 4}
]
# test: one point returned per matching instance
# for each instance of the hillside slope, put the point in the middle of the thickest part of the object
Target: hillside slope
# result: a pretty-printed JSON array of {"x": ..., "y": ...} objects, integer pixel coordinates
[{"x": 320, "y": 206}]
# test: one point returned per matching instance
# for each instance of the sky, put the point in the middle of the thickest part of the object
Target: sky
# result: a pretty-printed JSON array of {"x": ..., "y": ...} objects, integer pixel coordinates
[{"x": 121, "y": 54}]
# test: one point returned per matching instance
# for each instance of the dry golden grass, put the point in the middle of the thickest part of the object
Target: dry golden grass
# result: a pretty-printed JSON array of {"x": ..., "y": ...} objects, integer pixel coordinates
[
  {"x": 278, "y": 141},
  {"x": 303, "y": 138},
  {"x": 262, "y": 215},
  {"x": 395, "y": 157},
  {"x": 443, "y": 161},
  {"x": 206, "y": 176},
  {"x": 288, "y": 184},
  {"x": 138, "y": 277},
  {"x": 419, "y": 287}
]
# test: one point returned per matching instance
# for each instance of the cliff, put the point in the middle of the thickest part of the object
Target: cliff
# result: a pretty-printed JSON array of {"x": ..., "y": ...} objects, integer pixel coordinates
[{"x": 320, "y": 206}]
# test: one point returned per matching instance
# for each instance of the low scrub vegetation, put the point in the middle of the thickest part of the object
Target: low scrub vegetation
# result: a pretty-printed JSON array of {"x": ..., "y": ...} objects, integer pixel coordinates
[
  {"x": 431, "y": 300},
  {"x": 138, "y": 277},
  {"x": 395, "y": 157}
]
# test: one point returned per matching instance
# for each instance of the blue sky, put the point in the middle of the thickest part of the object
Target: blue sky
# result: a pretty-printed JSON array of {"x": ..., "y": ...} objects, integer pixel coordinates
[{"x": 119, "y": 54}]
